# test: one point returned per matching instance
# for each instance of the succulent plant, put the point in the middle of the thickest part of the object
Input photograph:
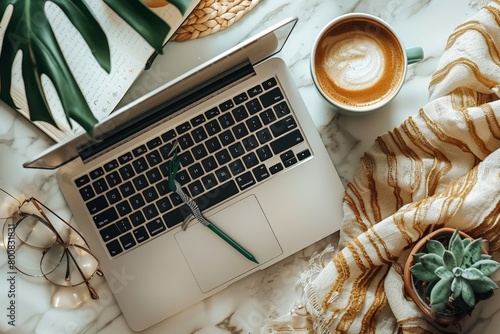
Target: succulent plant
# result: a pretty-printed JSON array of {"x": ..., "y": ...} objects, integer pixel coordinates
[{"x": 457, "y": 275}]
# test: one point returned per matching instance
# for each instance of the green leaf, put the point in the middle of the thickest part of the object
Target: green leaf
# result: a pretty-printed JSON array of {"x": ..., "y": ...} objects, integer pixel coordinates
[
  {"x": 30, "y": 33},
  {"x": 472, "y": 274},
  {"x": 182, "y": 5},
  {"x": 466, "y": 242},
  {"x": 419, "y": 271},
  {"x": 444, "y": 273},
  {"x": 483, "y": 284},
  {"x": 457, "y": 286},
  {"x": 449, "y": 260},
  {"x": 417, "y": 256},
  {"x": 441, "y": 291},
  {"x": 456, "y": 246},
  {"x": 473, "y": 253},
  {"x": 431, "y": 261},
  {"x": 434, "y": 247},
  {"x": 487, "y": 267},
  {"x": 468, "y": 294}
]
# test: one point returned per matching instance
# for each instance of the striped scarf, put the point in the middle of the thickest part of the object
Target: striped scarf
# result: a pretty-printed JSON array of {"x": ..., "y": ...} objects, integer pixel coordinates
[{"x": 440, "y": 167}]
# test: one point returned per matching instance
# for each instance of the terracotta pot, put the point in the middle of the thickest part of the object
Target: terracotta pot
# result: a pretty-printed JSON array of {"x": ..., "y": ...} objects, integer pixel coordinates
[
  {"x": 155, "y": 3},
  {"x": 410, "y": 281}
]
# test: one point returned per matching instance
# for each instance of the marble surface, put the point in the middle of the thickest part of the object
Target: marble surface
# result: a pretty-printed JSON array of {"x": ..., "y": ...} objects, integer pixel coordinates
[{"x": 243, "y": 306}]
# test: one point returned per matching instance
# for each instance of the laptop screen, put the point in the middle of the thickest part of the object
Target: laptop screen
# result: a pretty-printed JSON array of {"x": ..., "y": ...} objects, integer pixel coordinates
[{"x": 122, "y": 123}]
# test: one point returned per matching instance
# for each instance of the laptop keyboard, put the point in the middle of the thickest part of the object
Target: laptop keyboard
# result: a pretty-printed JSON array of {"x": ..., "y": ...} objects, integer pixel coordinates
[{"x": 222, "y": 152}]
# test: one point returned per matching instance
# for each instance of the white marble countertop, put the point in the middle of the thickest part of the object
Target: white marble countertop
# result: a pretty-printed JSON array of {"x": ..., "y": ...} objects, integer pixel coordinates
[{"x": 243, "y": 306}]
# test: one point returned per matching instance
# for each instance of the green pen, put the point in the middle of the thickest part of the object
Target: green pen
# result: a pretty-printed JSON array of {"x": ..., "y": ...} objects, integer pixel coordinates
[{"x": 175, "y": 186}]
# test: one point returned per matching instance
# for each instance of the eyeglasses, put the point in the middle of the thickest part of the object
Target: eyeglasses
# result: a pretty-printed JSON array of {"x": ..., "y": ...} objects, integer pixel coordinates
[{"x": 39, "y": 248}]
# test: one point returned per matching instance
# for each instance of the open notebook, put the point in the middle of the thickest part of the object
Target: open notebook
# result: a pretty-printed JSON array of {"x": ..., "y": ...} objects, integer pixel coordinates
[
  {"x": 250, "y": 156},
  {"x": 130, "y": 54}
]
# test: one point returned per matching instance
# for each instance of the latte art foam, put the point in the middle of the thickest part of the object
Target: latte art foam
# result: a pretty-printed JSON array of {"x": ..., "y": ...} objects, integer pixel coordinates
[
  {"x": 359, "y": 63},
  {"x": 353, "y": 63}
]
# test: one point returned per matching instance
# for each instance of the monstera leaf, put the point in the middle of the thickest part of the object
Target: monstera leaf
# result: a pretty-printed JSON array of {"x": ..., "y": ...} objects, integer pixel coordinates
[{"x": 29, "y": 32}]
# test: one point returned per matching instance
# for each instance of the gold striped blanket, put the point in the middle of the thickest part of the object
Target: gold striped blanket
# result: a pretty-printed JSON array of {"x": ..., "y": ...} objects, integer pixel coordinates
[{"x": 440, "y": 167}]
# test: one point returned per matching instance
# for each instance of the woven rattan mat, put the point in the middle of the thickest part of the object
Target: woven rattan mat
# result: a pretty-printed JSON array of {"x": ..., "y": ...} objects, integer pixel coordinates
[{"x": 211, "y": 16}]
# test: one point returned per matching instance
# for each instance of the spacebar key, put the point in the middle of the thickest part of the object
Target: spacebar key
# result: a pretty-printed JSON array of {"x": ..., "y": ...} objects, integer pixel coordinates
[{"x": 217, "y": 195}]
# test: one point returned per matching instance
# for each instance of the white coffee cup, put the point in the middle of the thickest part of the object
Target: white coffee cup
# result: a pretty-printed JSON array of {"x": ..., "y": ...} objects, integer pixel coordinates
[{"x": 358, "y": 63}]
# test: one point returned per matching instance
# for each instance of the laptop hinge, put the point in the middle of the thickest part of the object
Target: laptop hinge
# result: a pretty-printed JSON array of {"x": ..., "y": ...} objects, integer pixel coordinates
[{"x": 165, "y": 111}]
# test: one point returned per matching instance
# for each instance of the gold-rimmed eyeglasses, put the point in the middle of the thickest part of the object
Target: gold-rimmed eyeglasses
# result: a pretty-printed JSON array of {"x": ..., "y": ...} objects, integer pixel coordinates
[{"x": 47, "y": 248}]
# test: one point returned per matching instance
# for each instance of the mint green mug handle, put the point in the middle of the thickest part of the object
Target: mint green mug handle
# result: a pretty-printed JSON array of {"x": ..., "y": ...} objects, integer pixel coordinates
[{"x": 414, "y": 54}]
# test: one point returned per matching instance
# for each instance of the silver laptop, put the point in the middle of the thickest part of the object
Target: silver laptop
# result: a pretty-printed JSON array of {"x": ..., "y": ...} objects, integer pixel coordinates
[{"x": 250, "y": 156}]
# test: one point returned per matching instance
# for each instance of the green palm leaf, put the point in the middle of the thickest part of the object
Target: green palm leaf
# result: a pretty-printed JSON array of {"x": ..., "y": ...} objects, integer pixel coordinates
[{"x": 30, "y": 33}]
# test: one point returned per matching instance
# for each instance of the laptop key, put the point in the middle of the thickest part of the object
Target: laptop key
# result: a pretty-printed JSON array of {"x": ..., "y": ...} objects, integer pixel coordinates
[
  {"x": 240, "y": 113},
  {"x": 226, "y": 105},
  {"x": 287, "y": 141},
  {"x": 199, "y": 134},
  {"x": 236, "y": 167},
  {"x": 140, "y": 165},
  {"x": 140, "y": 182},
  {"x": 254, "y": 91},
  {"x": 154, "y": 158},
  {"x": 213, "y": 127},
  {"x": 283, "y": 126},
  {"x": 82, "y": 180},
  {"x": 281, "y": 109},
  {"x": 106, "y": 217},
  {"x": 114, "y": 248},
  {"x": 264, "y": 153},
  {"x": 127, "y": 241},
  {"x": 124, "y": 225},
  {"x": 137, "y": 218},
  {"x": 168, "y": 136},
  {"x": 154, "y": 143},
  {"x": 271, "y": 97},
  {"x": 110, "y": 165},
  {"x": 240, "y": 98},
  {"x": 155, "y": 226},
  {"x": 186, "y": 141},
  {"x": 97, "y": 204},
  {"x": 109, "y": 233},
  {"x": 183, "y": 128},
  {"x": 254, "y": 124},
  {"x": 176, "y": 216},
  {"x": 253, "y": 106},
  {"x": 100, "y": 186},
  {"x": 223, "y": 174},
  {"x": 113, "y": 179},
  {"x": 96, "y": 173},
  {"x": 87, "y": 193},
  {"x": 303, "y": 154},
  {"x": 276, "y": 168},
  {"x": 138, "y": 151},
  {"x": 141, "y": 234},
  {"x": 245, "y": 181},
  {"x": 127, "y": 157},
  {"x": 126, "y": 189},
  {"x": 113, "y": 196},
  {"x": 150, "y": 211},
  {"x": 197, "y": 120},
  {"x": 260, "y": 172},
  {"x": 213, "y": 144},
  {"x": 127, "y": 172},
  {"x": 212, "y": 113},
  {"x": 269, "y": 83}
]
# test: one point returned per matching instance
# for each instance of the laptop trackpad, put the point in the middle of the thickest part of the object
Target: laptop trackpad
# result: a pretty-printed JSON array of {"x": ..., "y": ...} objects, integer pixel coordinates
[{"x": 212, "y": 260}]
